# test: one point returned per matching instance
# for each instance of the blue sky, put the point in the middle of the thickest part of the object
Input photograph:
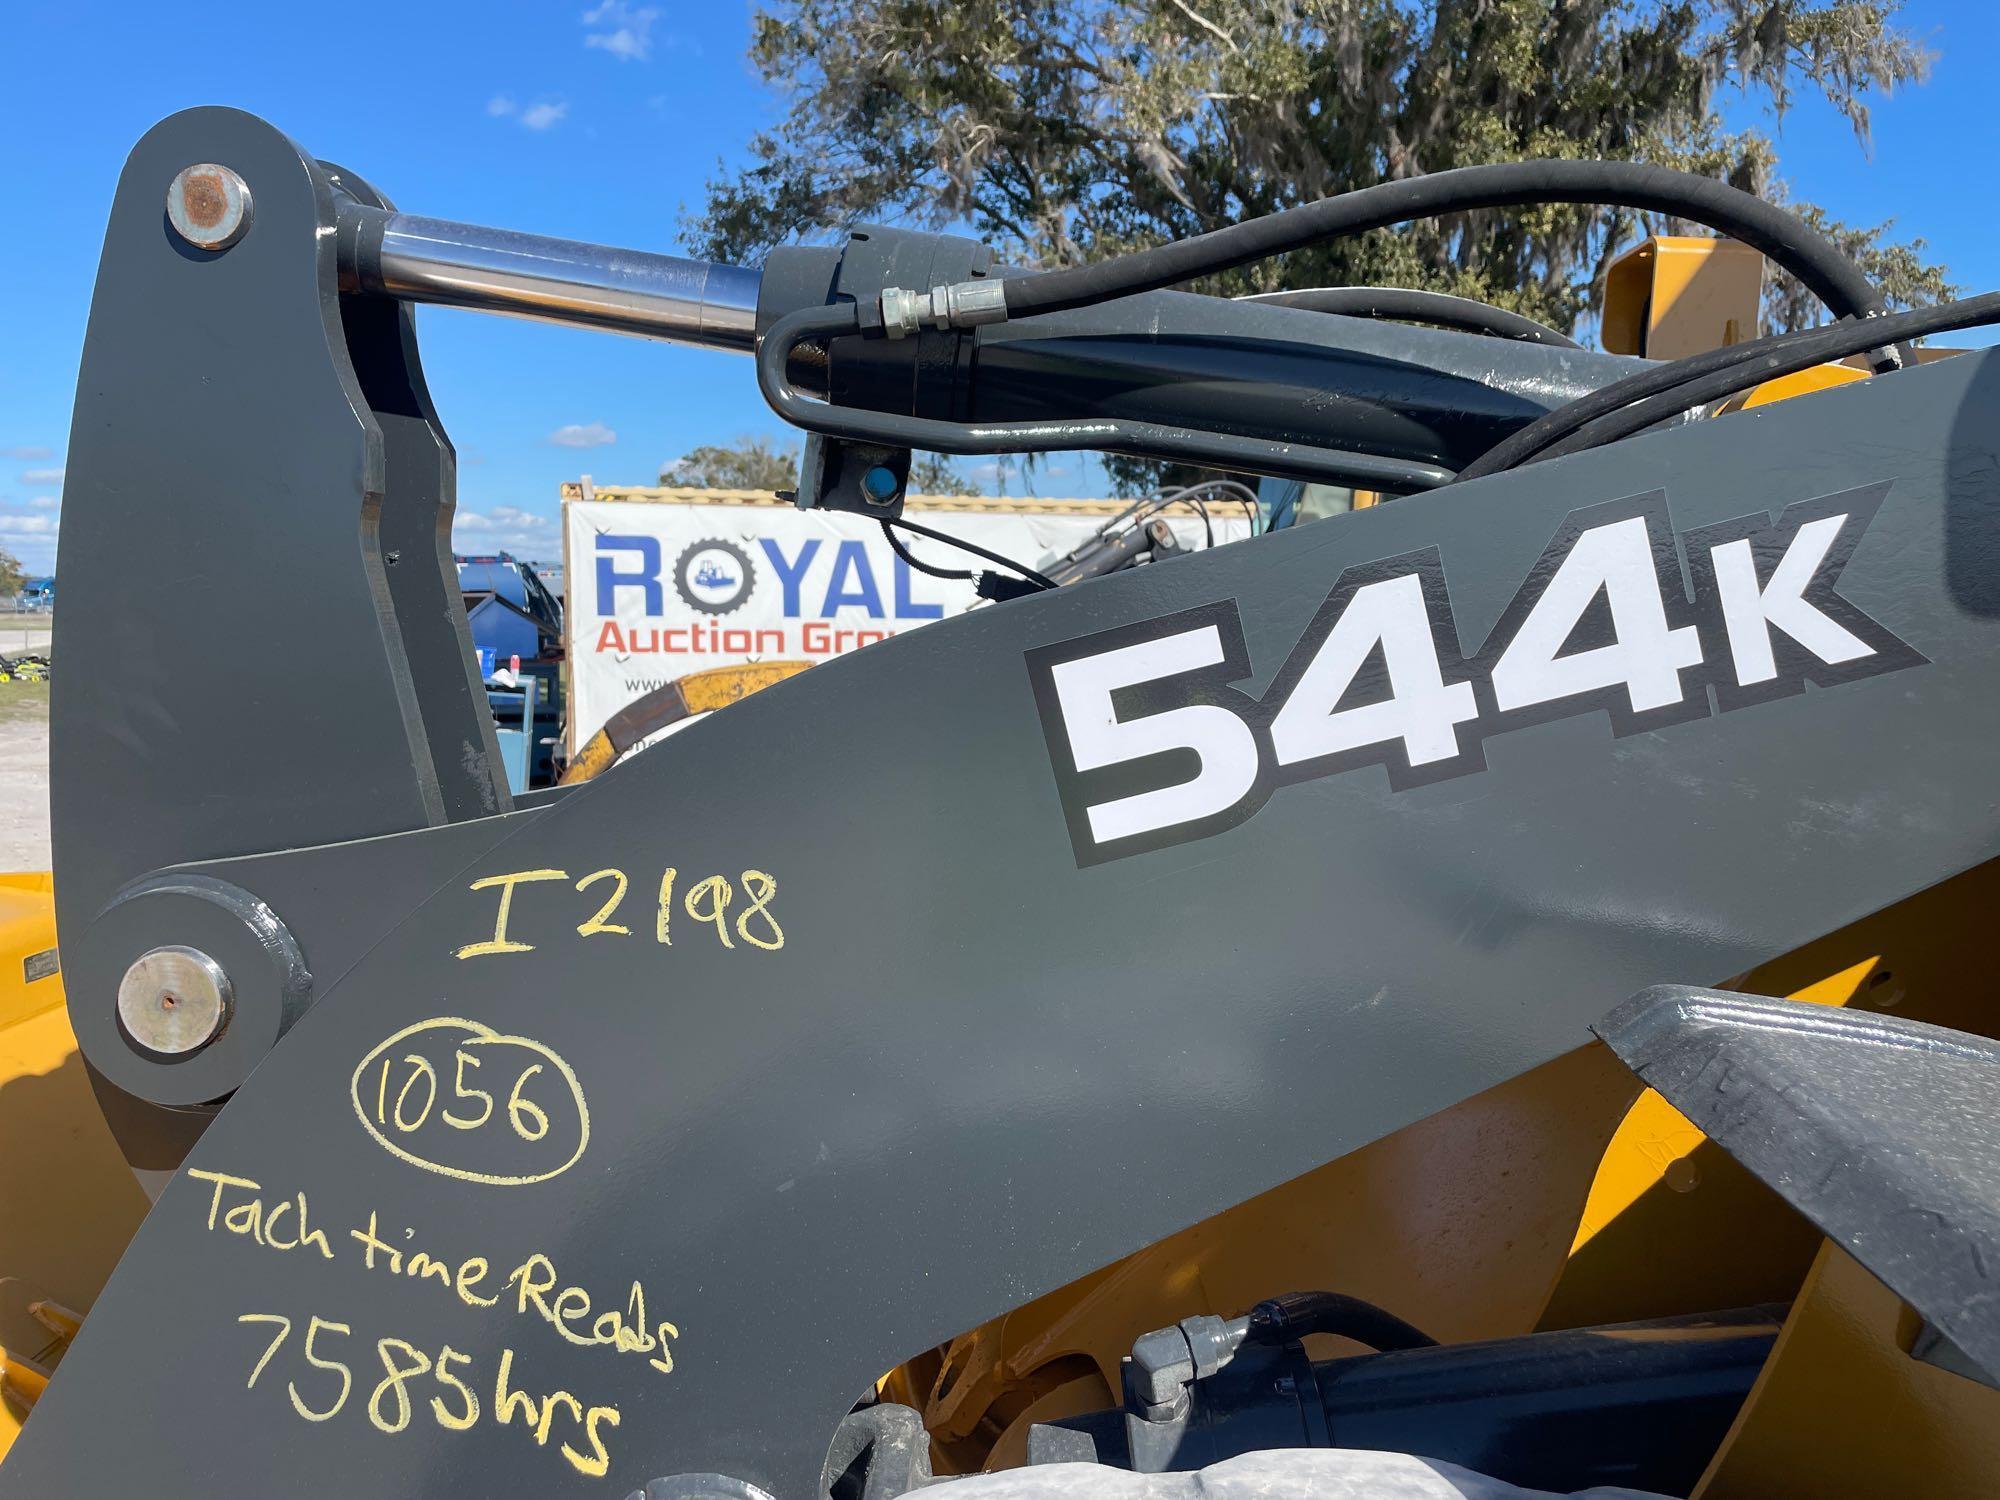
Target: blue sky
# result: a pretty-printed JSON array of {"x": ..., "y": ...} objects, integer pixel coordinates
[{"x": 601, "y": 122}]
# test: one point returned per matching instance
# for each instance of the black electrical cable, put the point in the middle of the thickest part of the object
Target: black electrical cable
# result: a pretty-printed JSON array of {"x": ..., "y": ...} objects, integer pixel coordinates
[
  {"x": 1783, "y": 237},
  {"x": 1671, "y": 388},
  {"x": 1286, "y": 1319},
  {"x": 1404, "y": 304},
  {"x": 896, "y": 545},
  {"x": 977, "y": 551}
]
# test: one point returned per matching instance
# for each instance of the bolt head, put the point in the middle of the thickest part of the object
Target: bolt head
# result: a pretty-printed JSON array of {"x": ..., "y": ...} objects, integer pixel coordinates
[
  {"x": 174, "y": 1001},
  {"x": 209, "y": 206},
  {"x": 879, "y": 484}
]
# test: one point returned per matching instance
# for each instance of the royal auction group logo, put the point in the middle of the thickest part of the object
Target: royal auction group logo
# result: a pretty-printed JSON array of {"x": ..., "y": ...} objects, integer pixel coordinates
[{"x": 714, "y": 576}]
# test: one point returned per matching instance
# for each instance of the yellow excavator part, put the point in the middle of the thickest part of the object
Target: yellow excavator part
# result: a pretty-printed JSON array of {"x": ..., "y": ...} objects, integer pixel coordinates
[{"x": 72, "y": 1202}]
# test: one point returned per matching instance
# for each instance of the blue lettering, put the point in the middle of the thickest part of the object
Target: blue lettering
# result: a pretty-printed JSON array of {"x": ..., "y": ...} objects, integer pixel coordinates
[
  {"x": 852, "y": 558},
  {"x": 907, "y": 608},
  {"x": 647, "y": 579},
  {"x": 789, "y": 577}
]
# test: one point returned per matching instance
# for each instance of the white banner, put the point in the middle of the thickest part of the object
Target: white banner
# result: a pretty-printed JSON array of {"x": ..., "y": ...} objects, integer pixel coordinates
[{"x": 658, "y": 590}]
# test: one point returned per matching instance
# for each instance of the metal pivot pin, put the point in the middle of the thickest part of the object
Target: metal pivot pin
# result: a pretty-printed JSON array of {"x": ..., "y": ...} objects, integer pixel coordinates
[{"x": 174, "y": 1000}]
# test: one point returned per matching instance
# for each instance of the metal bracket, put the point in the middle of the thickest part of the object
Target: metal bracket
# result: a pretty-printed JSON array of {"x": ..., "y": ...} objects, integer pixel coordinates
[{"x": 862, "y": 479}]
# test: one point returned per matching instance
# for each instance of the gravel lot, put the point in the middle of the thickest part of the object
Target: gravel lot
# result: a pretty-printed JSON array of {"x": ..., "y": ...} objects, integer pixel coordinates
[
  {"x": 24, "y": 790},
  {"x": 24, "y": 754}
]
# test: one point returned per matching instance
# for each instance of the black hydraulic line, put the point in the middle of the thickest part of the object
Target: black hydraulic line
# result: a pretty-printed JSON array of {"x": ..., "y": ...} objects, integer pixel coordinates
[
  {"x": 896, "y": 546},
  {"x": 977, "y": 551},
  {"x": 1110, "y": 434},
  {"x": 1785, "y": 238},
  {"x": 1402, "y": 304},
  {"x": 1530, "y": 440},
  {"x": 1781, "y": 236},
  {"x": 1631, "y": 405},
  {"x": 1840, "y": 341},
  {"x": 1286, "y": 1319}
]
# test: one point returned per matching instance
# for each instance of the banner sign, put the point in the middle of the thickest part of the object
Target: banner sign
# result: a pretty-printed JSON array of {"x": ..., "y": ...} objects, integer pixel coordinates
[{"x": 658, "y": 590}]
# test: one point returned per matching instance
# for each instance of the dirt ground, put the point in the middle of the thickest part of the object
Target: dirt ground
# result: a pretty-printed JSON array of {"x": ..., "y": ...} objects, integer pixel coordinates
[{"x": 24, "y": 754}]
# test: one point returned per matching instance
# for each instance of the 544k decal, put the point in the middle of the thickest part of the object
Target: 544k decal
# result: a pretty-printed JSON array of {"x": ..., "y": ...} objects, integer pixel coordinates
[{"x": 1152, "y": 745}]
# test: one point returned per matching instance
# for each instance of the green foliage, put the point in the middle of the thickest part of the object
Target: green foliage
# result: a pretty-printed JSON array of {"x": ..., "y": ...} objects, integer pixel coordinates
[
  {"x": 11, "y": 576},
  {"x": 754, "y": 462},
  {"x": 1063, "y": 131},
  {"x": 934, "y": 474},
  {"x": 750, "y": 463}
]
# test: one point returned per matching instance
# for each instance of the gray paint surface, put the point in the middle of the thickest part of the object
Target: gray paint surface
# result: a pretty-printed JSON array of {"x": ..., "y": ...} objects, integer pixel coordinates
[{"x": 974, "y": 1070}]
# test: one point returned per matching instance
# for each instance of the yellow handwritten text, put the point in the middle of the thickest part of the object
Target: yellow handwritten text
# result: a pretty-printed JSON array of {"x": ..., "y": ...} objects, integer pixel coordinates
[
  {"x": 708, "y": 900},
  {"x": 628, "y": 1332},
  {"x": 500, "y": 942},
  {"x": 323, "y": 1359},
  {"x": 253, "y": 1218},
  {"x": 510, "y": 1098}
]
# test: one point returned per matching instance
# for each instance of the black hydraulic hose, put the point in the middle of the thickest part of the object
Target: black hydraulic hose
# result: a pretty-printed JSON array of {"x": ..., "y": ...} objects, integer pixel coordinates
[
  {"x": 1781, "y": 236},
  {"x": 1286, "y": 1319},
  {"x": 1222, "y": 450},
  {"x": 1404, "y": 304},
  {"x": 1538, "y": 434},
  {"x": 1654, "y": 395},
  {"x": 1785, "y": 238},
  {"x": 1817, "y": 346}
]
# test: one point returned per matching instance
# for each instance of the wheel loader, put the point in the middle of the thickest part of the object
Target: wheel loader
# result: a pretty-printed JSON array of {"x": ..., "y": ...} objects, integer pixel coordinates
[{"x": 1482, "y": 994}]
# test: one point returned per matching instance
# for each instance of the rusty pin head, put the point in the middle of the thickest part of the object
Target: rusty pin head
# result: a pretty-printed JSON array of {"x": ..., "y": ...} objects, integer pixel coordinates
[{"x": 209, "y": 206}]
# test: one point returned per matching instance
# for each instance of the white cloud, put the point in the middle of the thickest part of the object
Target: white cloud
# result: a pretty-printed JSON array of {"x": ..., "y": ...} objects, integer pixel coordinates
[
  {"x": 538, "y": 116},
  {"x": 504, "y": 527},
  {"x": 27, "y": 525},
  {"x": 627, "y": 31},
  {"x": 46, "y": 502},
  {"x": 42, "y": 476},
  {"x": 26, "y": 453},
  {"x": 583, "y": 435},
  {"x": 523, "y": 520}
]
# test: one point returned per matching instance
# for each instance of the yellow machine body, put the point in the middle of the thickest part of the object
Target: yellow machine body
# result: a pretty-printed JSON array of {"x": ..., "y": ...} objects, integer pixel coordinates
[
  {"x": 71, "y": 1202},
  {"x": 1675, "y": 295}
]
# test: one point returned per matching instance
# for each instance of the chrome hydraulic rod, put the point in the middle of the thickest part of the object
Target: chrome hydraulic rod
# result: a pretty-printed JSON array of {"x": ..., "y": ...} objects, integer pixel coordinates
[{"x": 650, "y": 296}]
